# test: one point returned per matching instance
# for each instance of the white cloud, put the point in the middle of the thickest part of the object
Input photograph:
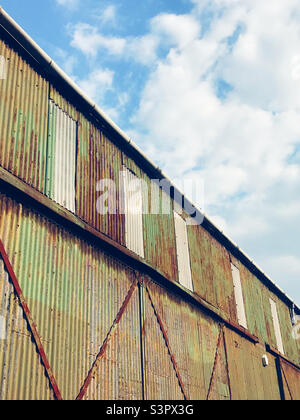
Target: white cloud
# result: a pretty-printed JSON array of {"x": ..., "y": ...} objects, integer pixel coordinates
[
  {"x": 97, "y": 83},
  {"x": 70, "y": 4},
  {"x": 239, "y": 145},
  {"x": 177, "y": 29},
  {"x": 89, "y": 41}
]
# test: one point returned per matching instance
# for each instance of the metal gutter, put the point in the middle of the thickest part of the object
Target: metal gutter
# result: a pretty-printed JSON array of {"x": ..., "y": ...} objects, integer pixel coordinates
[{"x": 50, "y": 67}]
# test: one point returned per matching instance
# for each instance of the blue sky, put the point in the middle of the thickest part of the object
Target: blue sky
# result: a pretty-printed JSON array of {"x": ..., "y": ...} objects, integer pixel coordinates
[{"x": 209, "y": 89}]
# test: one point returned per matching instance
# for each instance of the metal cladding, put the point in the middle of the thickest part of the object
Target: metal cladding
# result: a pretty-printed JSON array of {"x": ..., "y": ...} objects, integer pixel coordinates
[
  {"x": 74, "y": 291},
  {"x": 17, "y": 347},
  {"x": 98, "y": 159},
  {"x": 134, "y": 235},
  {"x": 23, "y": 116},
  {"x": 114, "y": 305},
  {"x": 61, "y": 158}
]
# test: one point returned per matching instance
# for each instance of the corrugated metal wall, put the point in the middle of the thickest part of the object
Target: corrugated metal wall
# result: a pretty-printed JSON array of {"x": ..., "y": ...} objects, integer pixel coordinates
[
  {"x": 259, "y": 315},
  {"x": 22, "y": 375},
  {"x": 159, "y": 229},
  {"x": 61, "y": 158},
  {"x": 98, "y": 159},
  {"x": 211, "y": 271},
  {"x": 291, "y": 382},
  {"x": 118, "y": 375},
  {"x": 73, "y": 290},
  {"x": 23, "y": 115},
  {"x": 249, "y": 379},
  {"x": 59, "y": 272},
  {"x": 193, "y": 338}
]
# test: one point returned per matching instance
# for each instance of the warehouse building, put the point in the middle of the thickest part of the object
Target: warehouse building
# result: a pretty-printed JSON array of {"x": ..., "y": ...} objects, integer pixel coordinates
[{"x": 122, "y": 304}]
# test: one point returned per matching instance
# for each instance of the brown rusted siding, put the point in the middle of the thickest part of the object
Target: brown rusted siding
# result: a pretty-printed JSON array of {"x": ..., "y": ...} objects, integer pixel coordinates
[
  {"x": 73, "y": 290},
  {"x": 154, "y": 343},
  {"x": 249, "y": 379},
  {"x": 291, "y": 382},
  {"x": 98, "y": 159},
  {"x": 159, "y": 229},
  {"x": 161, "y": 382},
  {"x": 24, "y": 117},
  {"x": 211, "y": 270},
  {"x": 195, "y": 345},
  {"x": 22, "y": 375},
  {"x": 118, "y": 374}
]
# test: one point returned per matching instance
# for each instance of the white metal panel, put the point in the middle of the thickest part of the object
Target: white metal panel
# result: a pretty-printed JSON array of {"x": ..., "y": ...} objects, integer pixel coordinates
[
  {"x": 2, "y": 328},
  {"x": 183, "y": 255},
  {"x": 239, "y": 300},
  {"x": 276, "y": 326},
  {"x": 133, "y": 208},
  {"x": 65, "y": 161},
  {"x": 2, "y": 68}
]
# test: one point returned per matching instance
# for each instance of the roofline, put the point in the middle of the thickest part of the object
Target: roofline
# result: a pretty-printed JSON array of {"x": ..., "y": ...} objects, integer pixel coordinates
[{"x": 50, "y": 67}]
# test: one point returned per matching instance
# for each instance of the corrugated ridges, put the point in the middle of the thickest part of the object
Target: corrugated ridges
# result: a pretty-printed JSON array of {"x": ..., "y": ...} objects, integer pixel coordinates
[
  {"x": 73, "y": 290},
  {"x": 23, "y": 115}
]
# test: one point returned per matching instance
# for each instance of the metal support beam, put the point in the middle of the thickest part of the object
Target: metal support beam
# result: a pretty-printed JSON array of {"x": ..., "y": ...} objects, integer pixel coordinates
[
  {"x": 164, "y": 332},
  {"x": 106, "y": 342}
]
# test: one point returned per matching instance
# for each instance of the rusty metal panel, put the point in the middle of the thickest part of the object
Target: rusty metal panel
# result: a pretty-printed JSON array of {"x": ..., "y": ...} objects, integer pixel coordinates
[
  {"x": 211, "y": 270},
  {"x": 158, "y": 222},
  {"x": 118, "y": 374},
  {"x": 133, "y": 206},
  {"x": 193, "y": 338},
  {"x": 161, "y": 382},
  {"x": 254, "y": 306},
  {"x": 219, "y": 388},
  {"x": 99, "y": 159},
  {"x": 249, "y": 379},
  {"x": 201, "y": 263},
  {"x": 61, "y": 158},
  {"x": 24, "y": 116},
  {"x": 291, "y": 381},
  {"x": 290, "y": 337},
  {"x": 159, "y": 232},
  {"x": 22, "y": 375},
  {"x": 183, "y": 255},
  {"x": 73, "y": 290}
]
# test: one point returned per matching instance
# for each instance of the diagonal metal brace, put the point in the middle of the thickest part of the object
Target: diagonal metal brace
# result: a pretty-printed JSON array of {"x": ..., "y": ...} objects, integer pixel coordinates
[
  {"x": 106, "y": 341},
  {"x": 163, "y": 330},
  {"x": 31, "y": 323}
]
